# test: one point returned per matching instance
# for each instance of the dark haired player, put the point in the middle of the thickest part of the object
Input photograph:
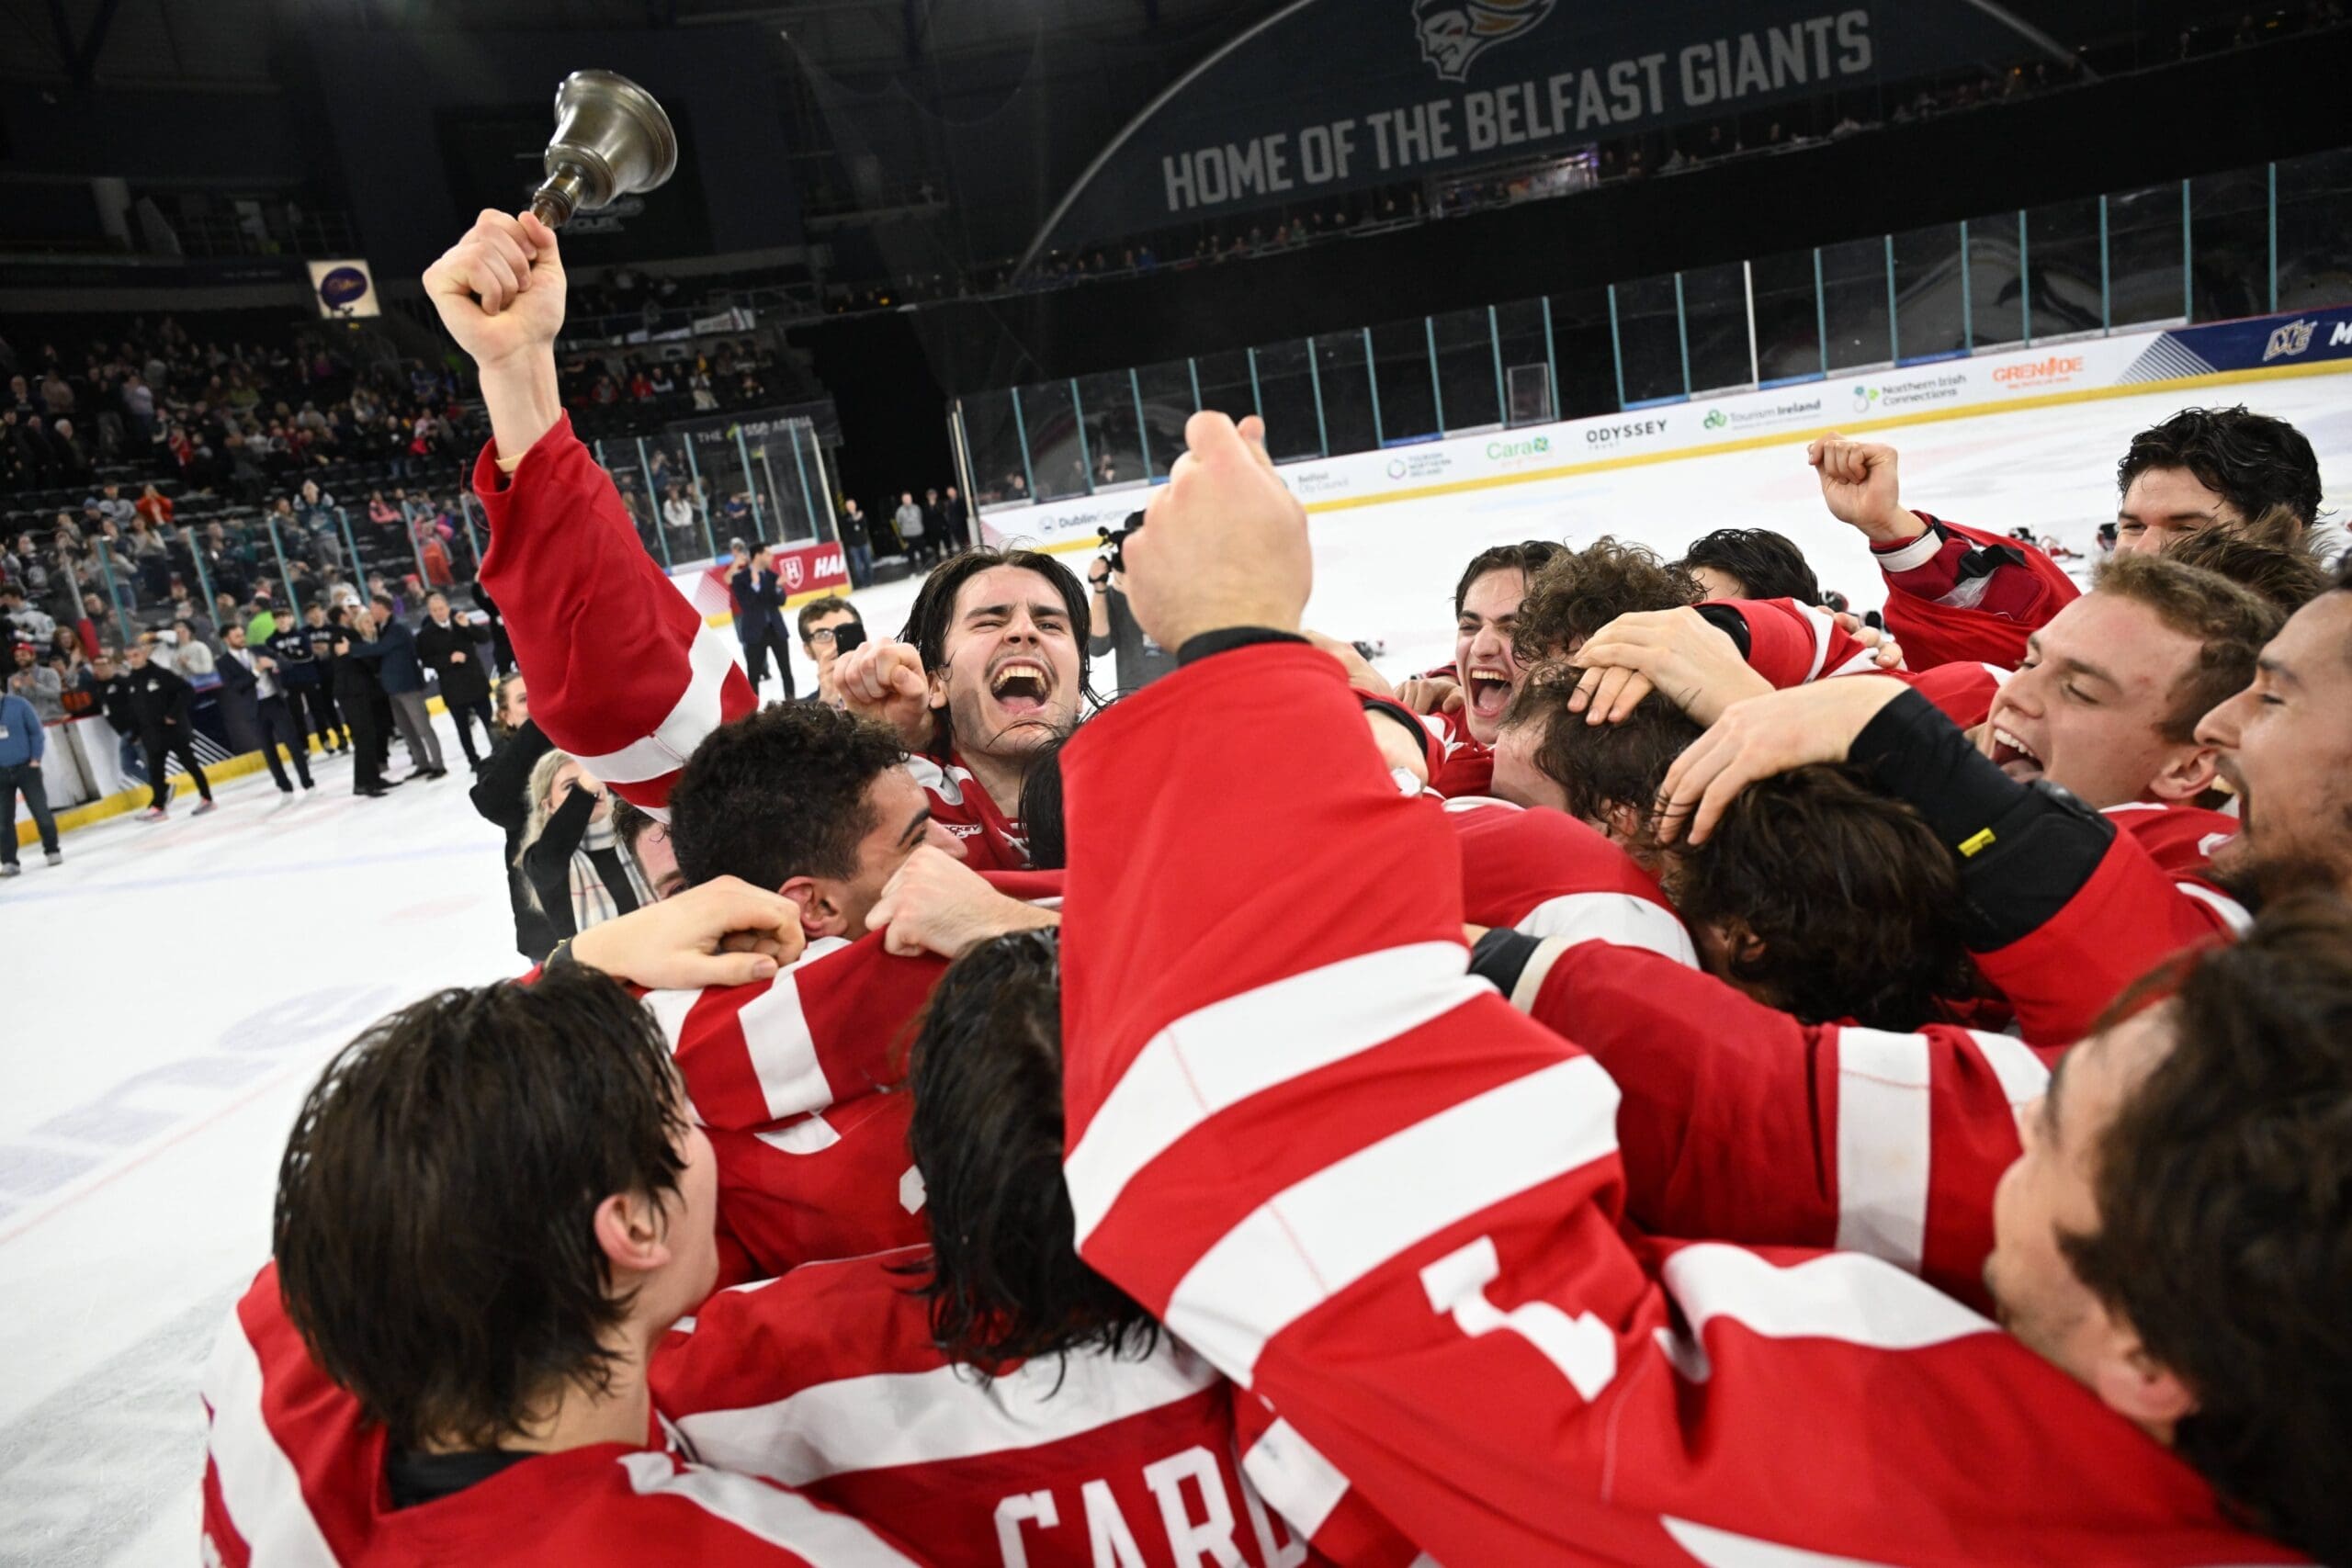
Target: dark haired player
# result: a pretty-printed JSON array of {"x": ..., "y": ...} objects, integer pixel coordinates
[{"x": 492, "y": 1206}]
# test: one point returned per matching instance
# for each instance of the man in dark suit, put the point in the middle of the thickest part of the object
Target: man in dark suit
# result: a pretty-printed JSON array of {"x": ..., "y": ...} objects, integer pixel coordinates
[
  {"x": 156, "y": 701},
  {"x": 393, "y": 653},
  {"x": 254, "y": 711},
  {"x": 453, "y": 653},
  {"x": 759, "y": 618}
]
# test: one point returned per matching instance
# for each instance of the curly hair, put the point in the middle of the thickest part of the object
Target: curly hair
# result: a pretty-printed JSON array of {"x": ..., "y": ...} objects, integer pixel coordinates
[
  {"x": 1577, "y": 593},
  {"x": 2250, "y": 460},
  {"x": 1598, "y": 767},
  {"x": 2224, "y": 1188}
]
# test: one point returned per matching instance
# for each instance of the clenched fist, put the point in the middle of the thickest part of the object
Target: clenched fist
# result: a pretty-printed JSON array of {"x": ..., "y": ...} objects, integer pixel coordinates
[
  {"x": 884, "y": 680},
  {"x": 1860, "y": 487},
  {"x": 500, "y": 288},
  {"x": 1224, "y": 542}
]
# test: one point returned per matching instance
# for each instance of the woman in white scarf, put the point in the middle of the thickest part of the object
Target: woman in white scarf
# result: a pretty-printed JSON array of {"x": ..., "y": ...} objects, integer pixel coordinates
[{"x": 576, "y": 865}]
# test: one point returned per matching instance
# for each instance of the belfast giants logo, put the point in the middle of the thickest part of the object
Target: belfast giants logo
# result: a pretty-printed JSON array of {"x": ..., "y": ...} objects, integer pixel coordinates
[{"x": 1455, "y": 32}]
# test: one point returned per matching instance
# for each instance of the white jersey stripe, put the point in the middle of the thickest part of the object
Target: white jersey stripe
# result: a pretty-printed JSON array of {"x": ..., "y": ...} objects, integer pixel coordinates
[
  {"x": 1722, "y": 1549},
  {"x": 1620, "y": 918},
  {"x": 784, "y": 1050},
  {"x": 1914, "y": 555},
  {"x": 1822, "y": 625},
  {"x": 2234, "y": 914},
  {"x": 885, "y": 1419},
  {"x": 1291, "y": 1474},
  {"x": 259, "y": 1486},
  {"x": 1319, "y": 1236},
  {"x": 1839, "y": 1295},
  {"x": 2023, "y": 1077},
  {"x": 784, "y": 1519},
  {"x": 1191, "y": 1069},
  {"x": 1882, "y": 1136},
  {"x": 709, "y": 659}
]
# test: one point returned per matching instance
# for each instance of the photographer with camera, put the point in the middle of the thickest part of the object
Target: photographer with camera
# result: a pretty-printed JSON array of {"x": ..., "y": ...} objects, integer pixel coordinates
[
  {"x": 829, "y": 628},
  {"x": 1111, "y": 627}
]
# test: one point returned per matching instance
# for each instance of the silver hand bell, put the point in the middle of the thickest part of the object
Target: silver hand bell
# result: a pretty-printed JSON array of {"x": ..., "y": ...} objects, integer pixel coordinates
[{"x": 611, "y": 140}]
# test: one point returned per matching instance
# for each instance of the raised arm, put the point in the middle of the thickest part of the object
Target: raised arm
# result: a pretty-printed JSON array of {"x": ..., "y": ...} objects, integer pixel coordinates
[{"x": 624, "y": 674}]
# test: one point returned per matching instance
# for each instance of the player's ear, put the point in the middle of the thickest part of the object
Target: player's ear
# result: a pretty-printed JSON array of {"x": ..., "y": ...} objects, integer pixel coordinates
[{"x": 2189, "y": 775}]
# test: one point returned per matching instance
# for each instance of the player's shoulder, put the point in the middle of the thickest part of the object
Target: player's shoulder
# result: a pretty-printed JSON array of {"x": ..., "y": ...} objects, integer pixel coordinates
[{"x": 2180, "y": 838}]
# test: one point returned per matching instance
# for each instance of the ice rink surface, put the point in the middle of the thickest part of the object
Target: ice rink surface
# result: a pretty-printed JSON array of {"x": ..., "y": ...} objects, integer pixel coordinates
[{"x": 168, "y": 994}]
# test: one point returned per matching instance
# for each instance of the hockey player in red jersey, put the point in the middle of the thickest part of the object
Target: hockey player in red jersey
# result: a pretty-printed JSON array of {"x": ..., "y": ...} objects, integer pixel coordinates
[
  {"x": 491, "y": 1208},
  {"x": 992, "y": 666},
  {"x": 1034, "y": 1412},
  {"x": 1955, "y": 594},
  {"x": 1464, "y": 702},
  {"x": 1352, "y": 1179}
]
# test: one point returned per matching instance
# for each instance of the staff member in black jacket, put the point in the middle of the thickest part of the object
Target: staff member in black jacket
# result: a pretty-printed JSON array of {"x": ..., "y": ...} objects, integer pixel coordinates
[
  {"x": 156, "y": 701},
  {"x": 583, "y": 873},
  {"x": 356, "y": 693},
  {"x": 502, "y": 795},
  {"x": 305, "y": 655},
  {"x": 452, "y": 651},
  {"x": 254, "y": 710}
]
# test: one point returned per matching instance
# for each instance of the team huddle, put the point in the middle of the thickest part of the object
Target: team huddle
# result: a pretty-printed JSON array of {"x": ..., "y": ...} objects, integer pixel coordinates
[{"x": 1699, "y": 1079}]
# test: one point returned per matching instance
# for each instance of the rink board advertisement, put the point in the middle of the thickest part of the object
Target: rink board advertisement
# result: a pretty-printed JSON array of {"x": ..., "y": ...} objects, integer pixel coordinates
[
  {"x": 1980, "y": 385},
  {"x": 802, "y": 569}
]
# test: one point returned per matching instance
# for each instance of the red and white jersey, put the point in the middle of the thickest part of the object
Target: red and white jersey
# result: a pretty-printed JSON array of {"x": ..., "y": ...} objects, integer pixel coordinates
[
  {"x": 625, "y": 673},
  {"x": 1957, "y": 594},
  {"x": 827, "y": 1028},
  {"x": 1790, "y": 643},
  {"x": 827, "y": 1380},
  {"x": 991, "y": 840},
  {"x": 1547, "y": 875},
  {"x": 2180, "y": 839},
  {"x": 1740, "y": 1123},
  {"x": 1466, "y": 766},
  {"x": 1353, "y": 1178},
  {"x": 833, "y": 1183},
  {"x": 294, "y": 1474}
]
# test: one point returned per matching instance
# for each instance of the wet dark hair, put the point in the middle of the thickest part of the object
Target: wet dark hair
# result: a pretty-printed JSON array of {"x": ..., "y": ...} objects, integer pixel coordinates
[
  {"x": 1599, "y": 766},
  {"x": 1041, "y": 807},
  {"x": 1577, "y": 593},
  {"x": 2251, "y": 460},
  {"x": 1854, "y": 900},
  {"x": 1527, "y": 557},
  {"x": 932, "y": 614},
  {"x": 1006, "y": 1282},
  {"x": 2224, "y": 1187},
  {"x": 779, "y": 794},
  {"x": 1767, "y": 565},
  {"x": 435, "y": 1226}
]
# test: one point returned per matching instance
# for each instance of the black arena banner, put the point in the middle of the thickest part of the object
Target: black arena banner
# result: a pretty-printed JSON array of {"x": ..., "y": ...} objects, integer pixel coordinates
[{"x": 1337, "y": 95}]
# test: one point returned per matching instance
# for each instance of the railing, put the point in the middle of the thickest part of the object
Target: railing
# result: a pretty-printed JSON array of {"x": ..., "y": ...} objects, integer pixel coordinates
[{"x": 2276, "y": 237}]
